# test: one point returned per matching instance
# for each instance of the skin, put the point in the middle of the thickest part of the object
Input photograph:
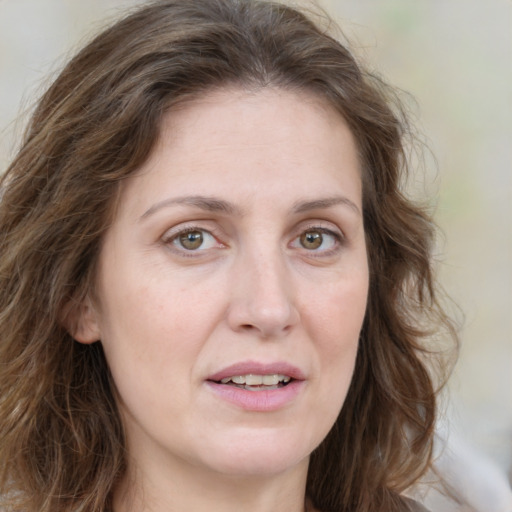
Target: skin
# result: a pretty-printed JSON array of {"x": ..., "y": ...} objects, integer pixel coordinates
[{"x": 280, "y": 275}]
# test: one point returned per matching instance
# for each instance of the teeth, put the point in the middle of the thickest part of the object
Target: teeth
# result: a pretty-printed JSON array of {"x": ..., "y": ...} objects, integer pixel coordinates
[
  {"x": 270, "y": 380},
  {"x": 257, "y": 380},
  {"x": 253, "y": 380}
]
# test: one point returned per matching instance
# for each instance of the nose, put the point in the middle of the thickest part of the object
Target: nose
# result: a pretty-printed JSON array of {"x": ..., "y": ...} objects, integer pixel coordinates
[{"x": 263, "y": 298}]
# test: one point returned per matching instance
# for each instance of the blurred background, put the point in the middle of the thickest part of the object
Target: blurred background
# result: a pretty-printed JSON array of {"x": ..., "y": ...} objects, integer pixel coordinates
[{"x": 455, "y": 58}]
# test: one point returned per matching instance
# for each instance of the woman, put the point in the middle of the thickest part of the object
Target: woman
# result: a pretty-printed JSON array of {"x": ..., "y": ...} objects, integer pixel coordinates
[{"x": 214, "y": 294}]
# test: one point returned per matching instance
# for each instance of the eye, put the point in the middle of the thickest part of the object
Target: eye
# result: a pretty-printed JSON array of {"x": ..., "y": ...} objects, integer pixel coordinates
[
  {"x": 194, "y": 240},
  {"x": 317, "y": 240}
]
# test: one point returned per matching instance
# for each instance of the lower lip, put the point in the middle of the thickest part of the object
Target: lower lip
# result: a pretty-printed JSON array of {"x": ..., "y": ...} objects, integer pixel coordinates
[{"x": 258, "y": 401}]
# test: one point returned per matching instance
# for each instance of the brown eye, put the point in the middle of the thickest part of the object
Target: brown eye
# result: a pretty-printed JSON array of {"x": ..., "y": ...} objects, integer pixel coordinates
[
  {"x": 318, "y": 241},
  {"x": 311, "y": 240},
  {"x": 191, "y": 240}
]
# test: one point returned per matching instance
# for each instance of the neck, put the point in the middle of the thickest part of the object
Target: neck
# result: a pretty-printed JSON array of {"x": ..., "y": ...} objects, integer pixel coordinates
[{"x": 195, "y": 489}]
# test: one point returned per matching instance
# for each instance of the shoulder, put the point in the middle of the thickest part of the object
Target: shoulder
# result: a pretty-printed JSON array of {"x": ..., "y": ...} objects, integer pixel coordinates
[
  {"x": 414, "y": 506},
  {"x": 411, "y": 506}
]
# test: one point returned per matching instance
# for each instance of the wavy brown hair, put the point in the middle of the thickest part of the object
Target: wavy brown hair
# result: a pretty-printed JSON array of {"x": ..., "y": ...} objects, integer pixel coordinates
[{"x": 62, "y": 445}]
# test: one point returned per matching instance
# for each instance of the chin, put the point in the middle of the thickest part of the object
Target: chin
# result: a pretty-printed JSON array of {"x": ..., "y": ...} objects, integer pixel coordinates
[
  {"x": 270, "y": 466},
  {"x": 259, "y": 455}
]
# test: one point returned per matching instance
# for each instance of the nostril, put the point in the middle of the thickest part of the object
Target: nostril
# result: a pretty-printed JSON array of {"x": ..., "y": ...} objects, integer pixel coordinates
[{"x": 264, "y": 318}]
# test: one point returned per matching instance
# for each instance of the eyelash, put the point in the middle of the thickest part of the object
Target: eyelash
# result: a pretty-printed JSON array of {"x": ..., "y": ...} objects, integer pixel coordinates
[
  {"x": 173, "y": 239},
  {"x": 338, "y": 240}
]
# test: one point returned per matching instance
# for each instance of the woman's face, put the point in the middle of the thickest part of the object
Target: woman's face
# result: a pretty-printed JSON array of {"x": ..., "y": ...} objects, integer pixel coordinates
[{"x": 232, "y": 285}]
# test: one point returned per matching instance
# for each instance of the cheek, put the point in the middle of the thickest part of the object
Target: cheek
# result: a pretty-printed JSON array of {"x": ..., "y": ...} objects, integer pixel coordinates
[
  {"x": 337, "y": 312},
  {"x": 336, "y": 318},
  {"x": 151, "y": 325},
  {"x": 151, "y": 340}
]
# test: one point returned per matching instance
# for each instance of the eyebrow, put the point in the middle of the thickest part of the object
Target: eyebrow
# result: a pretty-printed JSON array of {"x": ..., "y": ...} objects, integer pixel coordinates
[
  {"x": 213, "y": 204},
  {"x": 320, "y": 204},
  {"x": 209, "y": 204}
]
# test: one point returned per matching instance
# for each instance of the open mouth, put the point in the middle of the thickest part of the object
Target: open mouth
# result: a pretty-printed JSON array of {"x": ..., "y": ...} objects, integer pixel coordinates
[
  {"x": 252, "y": 382},
  {"x": 256, "y": 387}
]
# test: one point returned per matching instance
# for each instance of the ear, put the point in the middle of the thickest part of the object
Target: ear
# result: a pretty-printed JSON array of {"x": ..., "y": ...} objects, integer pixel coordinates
[{"x": 81, "y": 321}]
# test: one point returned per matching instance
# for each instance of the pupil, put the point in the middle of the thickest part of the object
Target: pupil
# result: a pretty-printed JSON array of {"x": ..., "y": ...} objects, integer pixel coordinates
[
  {"x": 311, "y": 240},
  {"x": 191, "y": 240}
]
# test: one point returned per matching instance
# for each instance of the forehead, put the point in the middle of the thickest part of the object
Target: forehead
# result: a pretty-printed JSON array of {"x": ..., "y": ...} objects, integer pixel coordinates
[
  {"x": 259, "y": 141},
  {"x": 228, "y": 111}
]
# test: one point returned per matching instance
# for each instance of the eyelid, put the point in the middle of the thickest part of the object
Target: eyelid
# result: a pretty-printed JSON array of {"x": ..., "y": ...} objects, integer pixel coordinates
[
  {"x": 323, "y": 227},
  {"x": 173, "y": 233}
]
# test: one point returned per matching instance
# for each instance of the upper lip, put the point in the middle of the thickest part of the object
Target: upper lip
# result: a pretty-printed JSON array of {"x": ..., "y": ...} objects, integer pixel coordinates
[{"x": 257, "y": 368}]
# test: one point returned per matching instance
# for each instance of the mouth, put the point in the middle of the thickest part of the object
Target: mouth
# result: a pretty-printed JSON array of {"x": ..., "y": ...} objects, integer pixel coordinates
[
  {"x": 258, "y": 387},
  {"x": 255, "y": 382}
]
